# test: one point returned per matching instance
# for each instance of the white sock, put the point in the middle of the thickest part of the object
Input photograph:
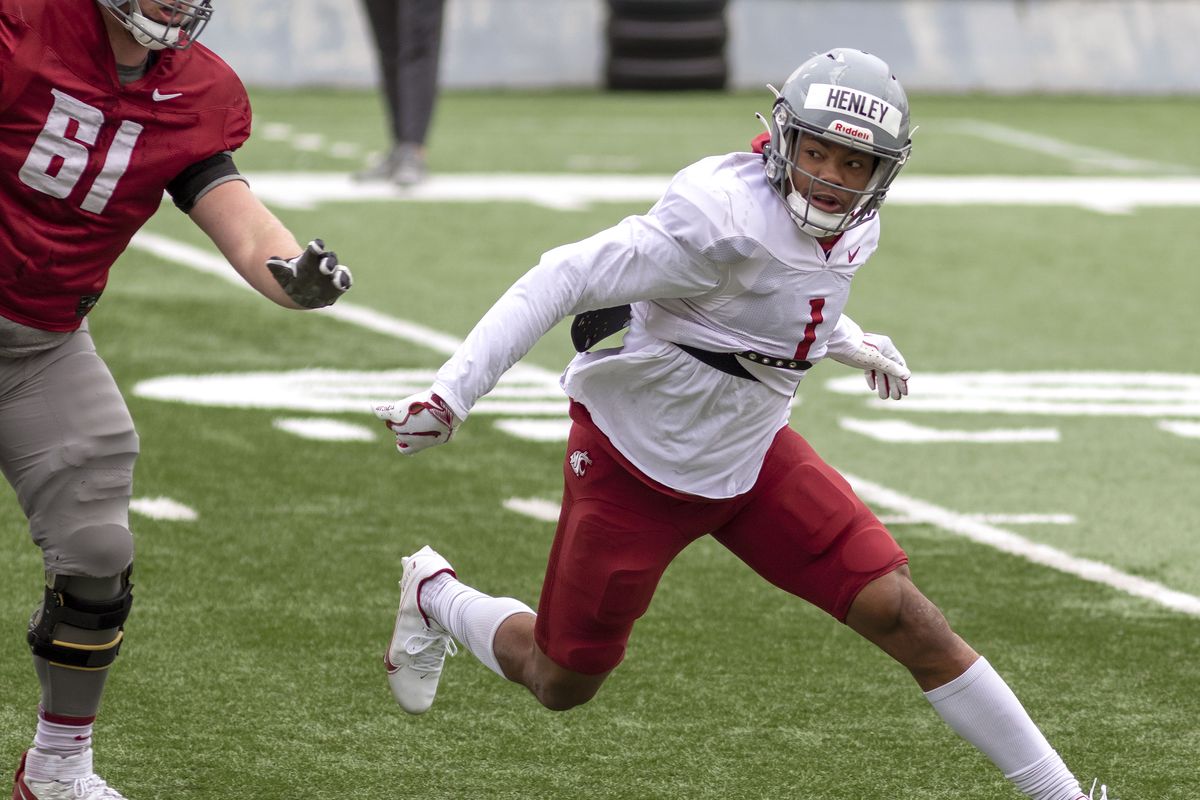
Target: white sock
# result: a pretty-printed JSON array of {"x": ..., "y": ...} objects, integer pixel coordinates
[
  {"x": 1049, "y": 779},
  {"x": 63, "y": 736},
  {"x": 469, "y": 615},
  {"x": 42, "y": 767},
  {"x": 981, "y": 708}
]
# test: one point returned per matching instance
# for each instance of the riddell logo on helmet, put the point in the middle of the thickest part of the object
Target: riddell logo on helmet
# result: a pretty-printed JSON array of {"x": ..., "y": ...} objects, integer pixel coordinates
[{"x": 846, "y": 129}]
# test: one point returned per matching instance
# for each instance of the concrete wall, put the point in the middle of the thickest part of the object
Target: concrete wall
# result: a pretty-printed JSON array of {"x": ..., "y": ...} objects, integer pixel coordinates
[{"x": 1122, "y": 46}]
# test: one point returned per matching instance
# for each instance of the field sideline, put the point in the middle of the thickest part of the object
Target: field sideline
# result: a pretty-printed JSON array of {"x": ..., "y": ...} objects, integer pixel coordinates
[{"x": 1054, "y": 419}]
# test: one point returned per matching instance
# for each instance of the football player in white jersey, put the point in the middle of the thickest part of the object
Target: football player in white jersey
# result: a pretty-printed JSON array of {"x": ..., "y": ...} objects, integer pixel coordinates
[{"x": 732, "y": 287}]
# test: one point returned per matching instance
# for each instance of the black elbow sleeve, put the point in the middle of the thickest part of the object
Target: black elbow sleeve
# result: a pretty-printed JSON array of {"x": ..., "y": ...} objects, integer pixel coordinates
[{"x": 197, "y": 180}]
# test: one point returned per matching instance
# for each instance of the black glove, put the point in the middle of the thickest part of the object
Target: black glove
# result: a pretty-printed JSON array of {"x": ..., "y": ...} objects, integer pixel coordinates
[{"x": 313, "y": 279}]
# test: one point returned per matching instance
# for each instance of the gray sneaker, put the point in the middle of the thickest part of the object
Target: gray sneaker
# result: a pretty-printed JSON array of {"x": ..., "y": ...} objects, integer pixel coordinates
[
  {"x": 410, "y": 166},
  {"x": 381, "y": 170}
]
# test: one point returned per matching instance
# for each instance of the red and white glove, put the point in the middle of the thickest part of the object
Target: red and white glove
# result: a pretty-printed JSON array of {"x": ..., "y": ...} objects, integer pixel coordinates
[
  {"x": 420, "y": 421},
  {"x": 882, "y": 365}
]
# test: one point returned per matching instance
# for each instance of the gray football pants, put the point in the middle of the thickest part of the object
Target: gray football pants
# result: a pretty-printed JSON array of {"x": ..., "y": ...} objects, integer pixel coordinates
[
  {"x": 408, "y": 35},
  {"x": 67, "y": 447}
]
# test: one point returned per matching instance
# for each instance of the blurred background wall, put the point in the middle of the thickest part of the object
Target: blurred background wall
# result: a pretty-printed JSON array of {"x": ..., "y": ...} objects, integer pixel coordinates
[{"x": 1093, "y": 46}]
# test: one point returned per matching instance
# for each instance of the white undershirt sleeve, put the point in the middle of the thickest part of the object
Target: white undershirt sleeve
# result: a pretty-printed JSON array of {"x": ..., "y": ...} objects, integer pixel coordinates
[
  {"x": 845, "y": 339},
  {"x": 637, "y": 259}
]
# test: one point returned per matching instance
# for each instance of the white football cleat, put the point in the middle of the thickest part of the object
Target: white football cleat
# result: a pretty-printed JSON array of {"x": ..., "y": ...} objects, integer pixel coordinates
[
  {"x": 73, "y": 778},
  {"x": 419, "y": 645}
]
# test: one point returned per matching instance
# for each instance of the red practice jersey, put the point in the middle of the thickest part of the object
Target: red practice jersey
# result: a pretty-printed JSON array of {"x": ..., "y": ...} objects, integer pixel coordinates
[{"x": 84, "y": 160}]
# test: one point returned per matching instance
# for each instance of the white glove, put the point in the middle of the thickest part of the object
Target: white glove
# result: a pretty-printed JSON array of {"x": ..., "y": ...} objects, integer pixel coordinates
[
  {"x": 882, "y": 365},
  {"x": 313, "y": 279},
  {"x": 420, "y": 421}
]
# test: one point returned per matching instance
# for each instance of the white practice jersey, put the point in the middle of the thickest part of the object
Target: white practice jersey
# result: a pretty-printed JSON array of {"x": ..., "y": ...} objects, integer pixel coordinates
[{"x": 716, "y": 264}]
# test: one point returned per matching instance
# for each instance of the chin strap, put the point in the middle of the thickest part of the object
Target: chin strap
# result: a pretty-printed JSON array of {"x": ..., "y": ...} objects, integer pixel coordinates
[
  {"x": 151, "y": 34},
  {"x": 145, "y": 31}
]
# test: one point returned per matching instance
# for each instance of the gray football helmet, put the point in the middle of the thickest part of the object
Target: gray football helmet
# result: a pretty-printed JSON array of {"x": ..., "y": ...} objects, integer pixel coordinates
[
  {"x": 185, "y": 21},
  {"x": 848, "y": 97}
]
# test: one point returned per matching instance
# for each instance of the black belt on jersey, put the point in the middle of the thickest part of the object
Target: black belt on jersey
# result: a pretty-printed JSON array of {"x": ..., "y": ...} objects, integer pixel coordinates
[
  {"x": 726, "y": 362},
  {"x": 729, "y": 364},
  {"x": 592, "y": 326}
]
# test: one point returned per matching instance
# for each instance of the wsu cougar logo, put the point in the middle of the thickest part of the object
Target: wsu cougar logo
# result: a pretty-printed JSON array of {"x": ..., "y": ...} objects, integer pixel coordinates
[{"x": 580, "y": 460}]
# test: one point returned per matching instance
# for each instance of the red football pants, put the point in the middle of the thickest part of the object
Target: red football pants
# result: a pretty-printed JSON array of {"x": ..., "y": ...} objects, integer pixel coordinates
[{"x": 801, "y": 527}]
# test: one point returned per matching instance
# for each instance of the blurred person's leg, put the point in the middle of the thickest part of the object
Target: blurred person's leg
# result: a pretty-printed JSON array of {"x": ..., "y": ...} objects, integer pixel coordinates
[
  {"x": 419, "y": 51},
  {"x": 384, "y": 19}
]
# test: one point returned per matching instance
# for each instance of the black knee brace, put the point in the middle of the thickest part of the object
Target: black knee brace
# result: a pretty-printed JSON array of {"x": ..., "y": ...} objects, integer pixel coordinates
[{"x": 60, "y": 607}]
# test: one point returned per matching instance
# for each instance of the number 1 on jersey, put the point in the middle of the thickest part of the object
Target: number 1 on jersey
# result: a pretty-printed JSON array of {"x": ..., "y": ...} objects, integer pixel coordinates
[{"x": 816, "y": 317}]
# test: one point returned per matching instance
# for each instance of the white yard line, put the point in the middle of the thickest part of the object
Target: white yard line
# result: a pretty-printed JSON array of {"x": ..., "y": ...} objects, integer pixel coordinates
[
  {"x": 1007, "y": 541},
  {"x": 536, "y": 507},
  {"x": 959, "y": 524},
  {"x": 325, "y": 430},
  {"x": 1188, "y": 430},
  {"x": 1081, "y": 156},
  {"x": 566, "y": 192},
  {"x": 210, "y": 263},
  {"x": 536, "y": 430},
  {"x": 899, "y": 430},
  {"x": 993, "y": 519},
  {"x": 163, "y": 508},
  {"x": 1079, "y": 393},
  {"x": 307, "y": 142}
]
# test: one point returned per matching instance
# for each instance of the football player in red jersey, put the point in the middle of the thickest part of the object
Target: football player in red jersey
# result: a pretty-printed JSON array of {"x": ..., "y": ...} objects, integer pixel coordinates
[
  {"x": 733, "y": 286},
  {"x": 104, "y": 105}
]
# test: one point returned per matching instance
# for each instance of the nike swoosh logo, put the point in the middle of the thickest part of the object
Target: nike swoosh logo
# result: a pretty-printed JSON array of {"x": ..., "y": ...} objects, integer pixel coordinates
[
  {"x": 854, "y": 254},
  {"x": 159, "y": 96}
]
